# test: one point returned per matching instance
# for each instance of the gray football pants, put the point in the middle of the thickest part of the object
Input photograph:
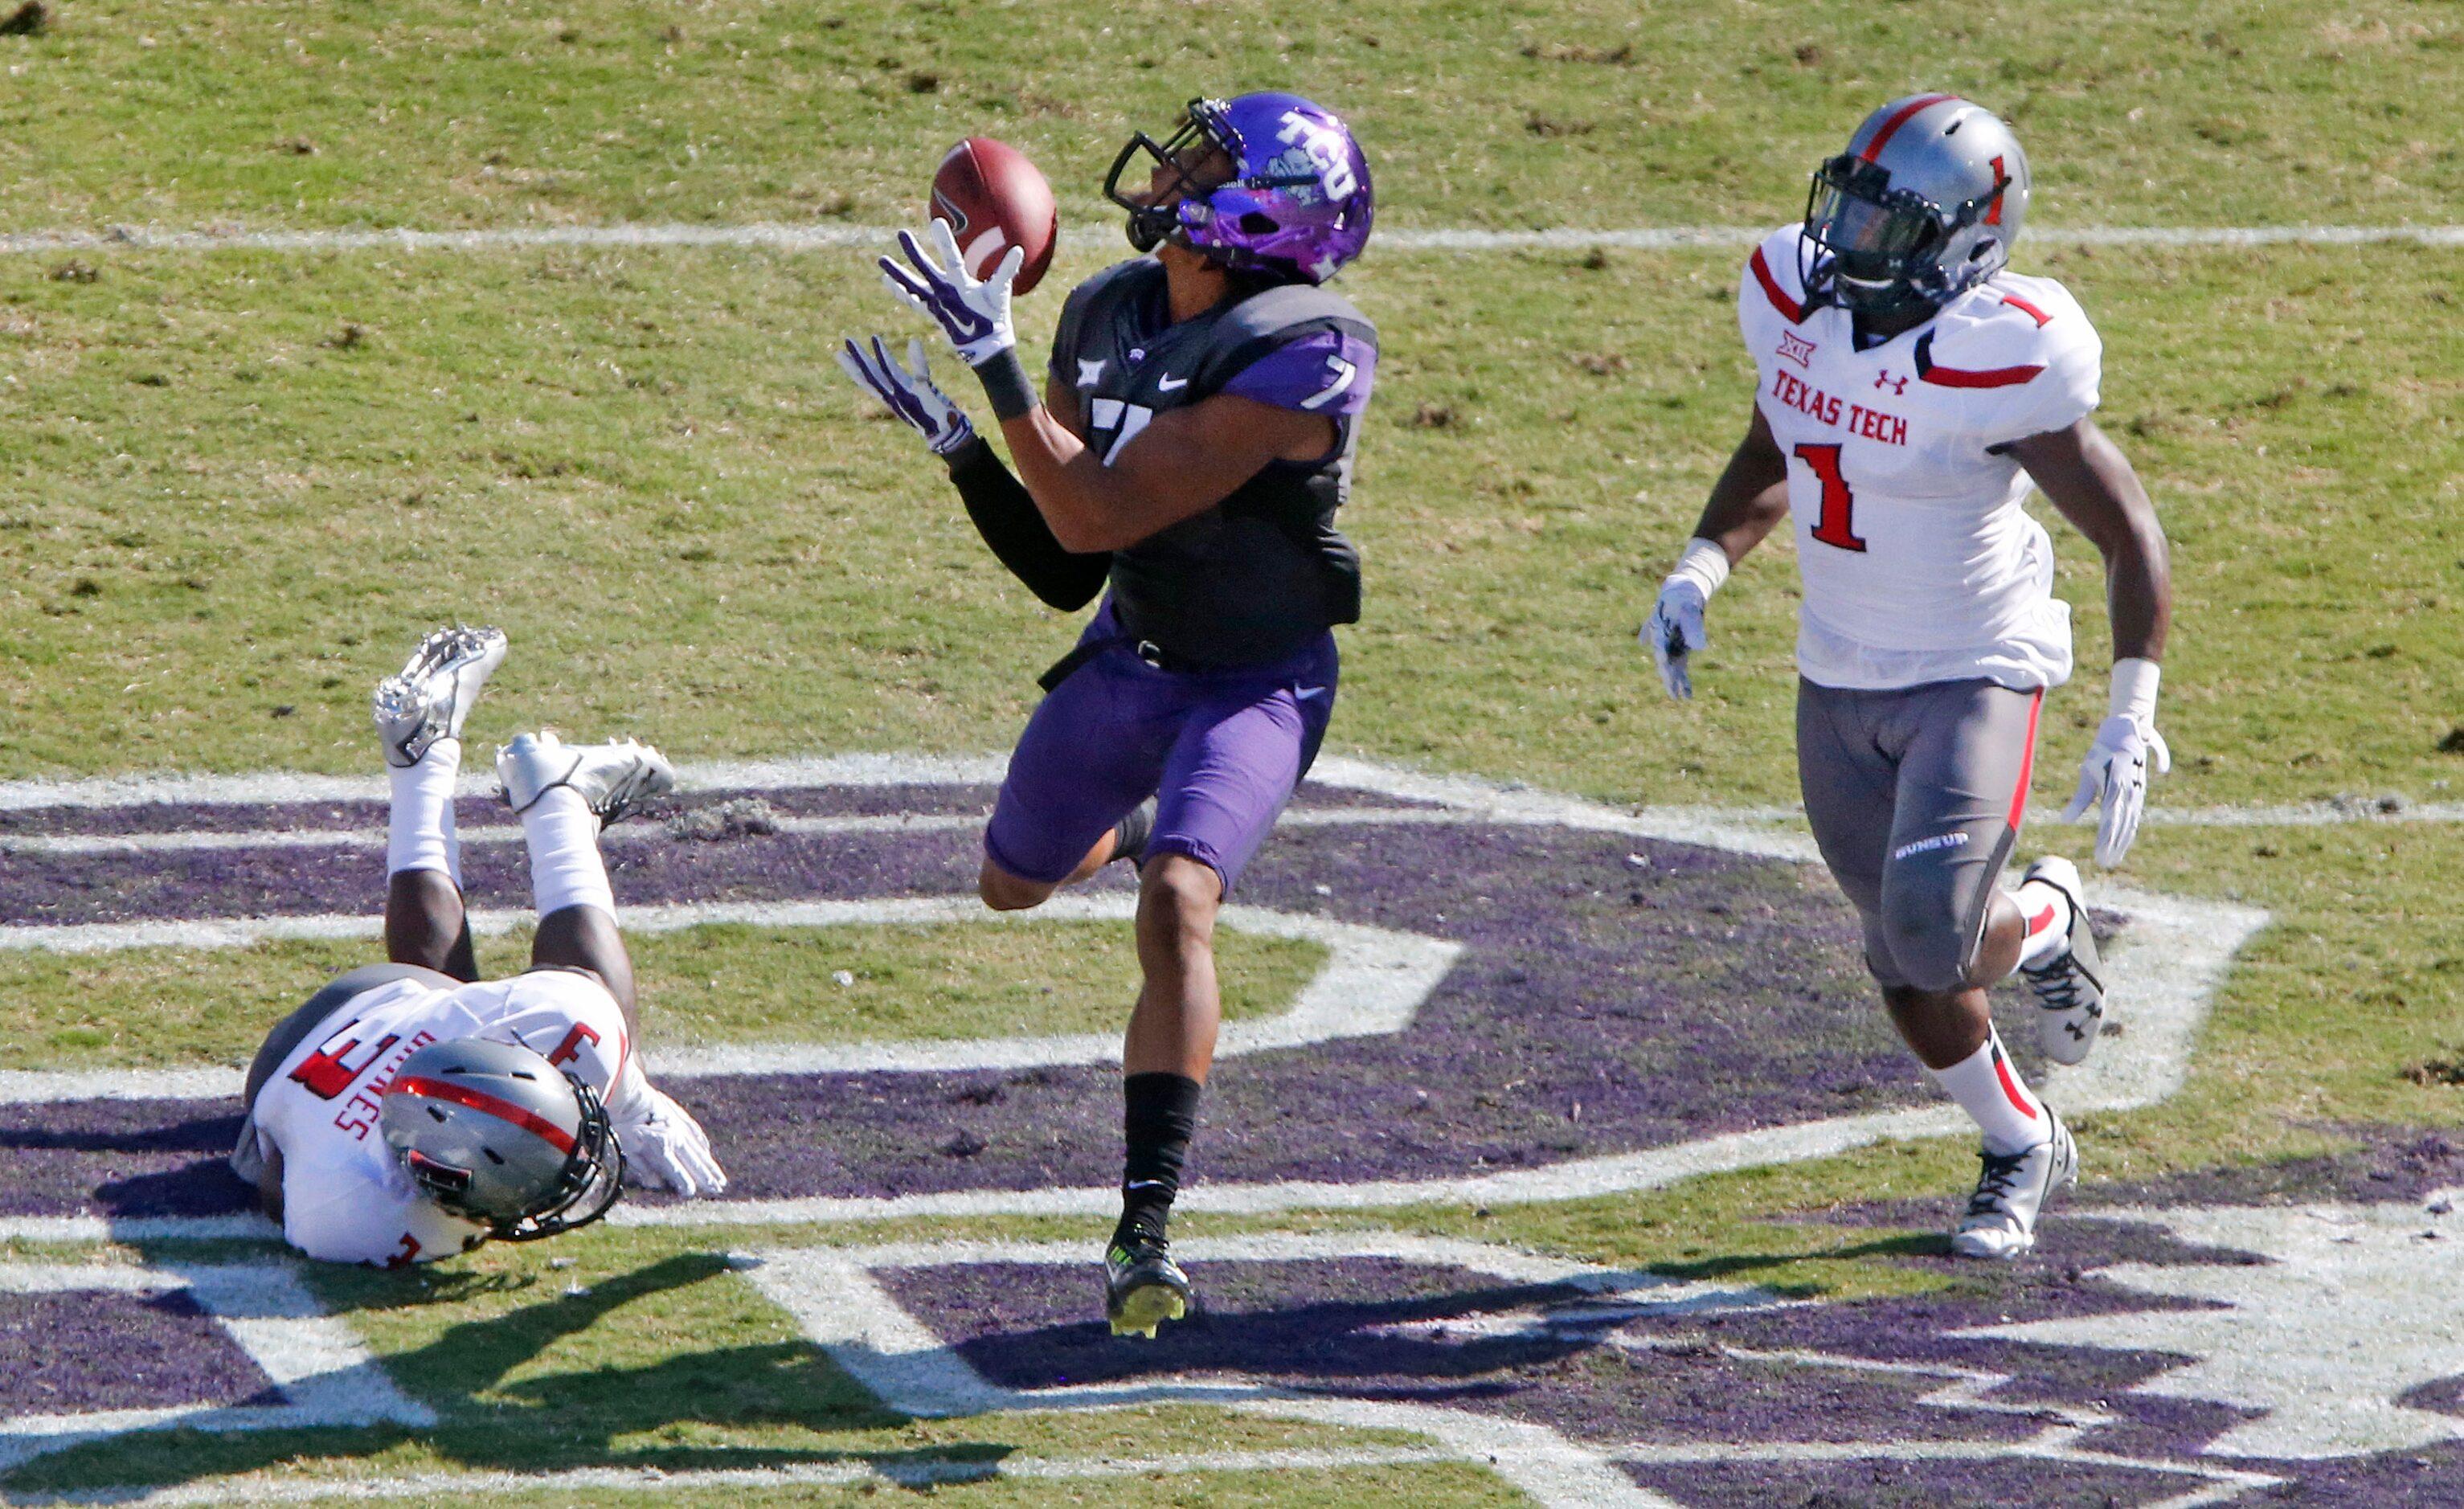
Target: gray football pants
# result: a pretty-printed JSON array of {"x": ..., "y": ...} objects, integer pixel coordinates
[{"x": 1916, "y": 797}]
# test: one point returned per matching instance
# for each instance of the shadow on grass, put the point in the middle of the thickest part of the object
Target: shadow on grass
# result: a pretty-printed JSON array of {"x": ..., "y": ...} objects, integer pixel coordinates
[
  {"x": 551, "y": 1422},
  {"x": 1769, "y": 1269}
]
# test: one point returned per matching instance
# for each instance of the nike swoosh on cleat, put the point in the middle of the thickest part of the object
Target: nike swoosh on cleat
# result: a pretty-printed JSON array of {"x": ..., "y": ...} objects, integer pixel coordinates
[{"x": 1143, "y": 1184}]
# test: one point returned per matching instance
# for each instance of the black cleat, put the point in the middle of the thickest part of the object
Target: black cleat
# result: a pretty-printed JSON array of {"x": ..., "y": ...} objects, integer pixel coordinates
[{"x": 1143, "y": 1287}]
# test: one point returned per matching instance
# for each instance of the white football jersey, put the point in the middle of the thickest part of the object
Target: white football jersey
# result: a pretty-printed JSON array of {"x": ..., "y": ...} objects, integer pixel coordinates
[
  {"x": 1919, "y": 564},
  {"x": 345, "y": 1196}
]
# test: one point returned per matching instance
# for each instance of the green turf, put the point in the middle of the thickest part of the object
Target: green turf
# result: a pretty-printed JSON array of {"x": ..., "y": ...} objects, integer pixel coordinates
[
  {"x": 718, "y": 983},
  {"x": 695, "y": 531},
  {"x": 241, "y": 483},
  {"x": 185, "y": 112}
]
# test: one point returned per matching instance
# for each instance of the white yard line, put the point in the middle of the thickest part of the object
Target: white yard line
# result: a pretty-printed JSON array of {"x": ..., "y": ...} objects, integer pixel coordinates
[
  {"x": 325, "y": 1375},
  {"x": 782, "y": 237},
  {"x": 1468, "y": 794}
]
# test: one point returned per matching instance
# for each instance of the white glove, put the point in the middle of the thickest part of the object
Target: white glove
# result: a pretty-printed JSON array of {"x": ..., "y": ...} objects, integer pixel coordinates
[
  {"x": 669, "y": 1148},
  {"x": 1674, "y": 630},
  {"x": 910, "y": 394},
  {"x": 975, "y": 315},
  {"x": 2115, "y": 771}
]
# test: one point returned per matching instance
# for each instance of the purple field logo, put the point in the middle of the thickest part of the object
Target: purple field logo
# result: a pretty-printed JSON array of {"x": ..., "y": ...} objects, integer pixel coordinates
[{"x": 1526, "y": 999}]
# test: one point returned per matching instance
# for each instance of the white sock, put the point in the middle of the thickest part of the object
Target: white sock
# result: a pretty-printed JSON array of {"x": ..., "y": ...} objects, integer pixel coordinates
[
  {"x": 565, "y": 867},
  {"x": 419, "y": 829},
  {"x": 1989, "y": 1091},
  {"x": 2045, "y": 909}
]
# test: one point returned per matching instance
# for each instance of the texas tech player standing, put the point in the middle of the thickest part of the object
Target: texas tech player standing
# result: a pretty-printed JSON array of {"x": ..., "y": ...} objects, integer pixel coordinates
[
  {"x": 1194, "y": 443},
  {"x": 411, "y": 1110},
  {"x": 1911, "y": 391}
]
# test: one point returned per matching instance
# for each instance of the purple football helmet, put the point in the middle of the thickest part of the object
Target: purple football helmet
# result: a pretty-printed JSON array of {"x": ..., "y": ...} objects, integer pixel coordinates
[{"x": 1297, "y": 204}]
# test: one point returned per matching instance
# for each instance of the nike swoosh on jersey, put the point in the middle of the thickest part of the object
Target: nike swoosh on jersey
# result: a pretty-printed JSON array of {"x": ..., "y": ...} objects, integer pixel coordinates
[
  {"x": 1165, "y": 384},
  {"x": 1304, "y": 693}
]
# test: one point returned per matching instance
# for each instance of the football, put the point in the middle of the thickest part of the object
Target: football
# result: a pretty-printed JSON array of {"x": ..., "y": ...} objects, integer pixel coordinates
[{"x": 995, "y": 199}]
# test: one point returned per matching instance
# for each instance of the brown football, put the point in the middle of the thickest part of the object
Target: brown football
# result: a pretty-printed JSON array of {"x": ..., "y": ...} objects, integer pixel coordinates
[{"x": 995, "y": 199}]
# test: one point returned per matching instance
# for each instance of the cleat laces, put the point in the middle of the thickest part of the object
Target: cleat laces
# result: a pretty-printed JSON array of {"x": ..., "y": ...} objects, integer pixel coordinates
[{"x": 1997, "y": 1183}]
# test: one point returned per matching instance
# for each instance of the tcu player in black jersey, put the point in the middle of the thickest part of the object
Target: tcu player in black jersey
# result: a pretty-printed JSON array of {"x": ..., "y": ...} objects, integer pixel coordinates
[{"x": 1194, "y": 441}]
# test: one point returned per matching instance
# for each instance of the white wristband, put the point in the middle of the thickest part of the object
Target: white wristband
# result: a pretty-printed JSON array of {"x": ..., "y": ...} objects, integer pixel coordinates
[
  {"x": 2134, "y": 690},
  {"x": 1704, "y": 564}
]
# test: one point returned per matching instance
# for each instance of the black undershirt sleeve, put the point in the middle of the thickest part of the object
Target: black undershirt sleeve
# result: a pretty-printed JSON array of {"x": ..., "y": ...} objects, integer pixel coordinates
[{"x": 1007, "y": 519}]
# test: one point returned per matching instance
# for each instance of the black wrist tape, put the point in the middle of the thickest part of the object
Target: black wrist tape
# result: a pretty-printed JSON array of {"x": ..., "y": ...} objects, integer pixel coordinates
[{"x": 1006, "y": 383}]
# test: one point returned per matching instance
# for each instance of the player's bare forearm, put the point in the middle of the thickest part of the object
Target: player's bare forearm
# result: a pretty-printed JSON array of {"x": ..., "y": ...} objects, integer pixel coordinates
[
  {"x": 1752, "y": 496},
  {"x": 1182, "y": 464},
  {"x": 2091, "y": 483}
]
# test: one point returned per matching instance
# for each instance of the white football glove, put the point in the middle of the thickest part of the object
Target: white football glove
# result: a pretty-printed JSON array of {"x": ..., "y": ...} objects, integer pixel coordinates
[
  {"x": 2115, "y": 771},
  {"x": 909, "y": 391},
  {"x": 1674, "y": 631},
  {"x": 973, "y": 312},
  {"x": 669, "y": 1148}
]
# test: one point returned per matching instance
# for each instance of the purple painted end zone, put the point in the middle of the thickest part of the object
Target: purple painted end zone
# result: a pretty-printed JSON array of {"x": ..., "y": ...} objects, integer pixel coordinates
[
  {"x": 1613, "y": 994},
  {"x": 1599, "y": 1008},
  {"x": 1375, "y": 1328},
  {"x": 1872, "y": 1483},
  {"x": 78, "y": 1351},
  {"x": 120, "y": 1158}
]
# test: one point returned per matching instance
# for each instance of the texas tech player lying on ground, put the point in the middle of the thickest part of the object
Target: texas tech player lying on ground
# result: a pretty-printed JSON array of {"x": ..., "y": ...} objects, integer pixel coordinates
[
  {"x": 1194, "y": 443},
  {"x": 411, "y": 1110},
  {"x": 1911, "y": 391}
]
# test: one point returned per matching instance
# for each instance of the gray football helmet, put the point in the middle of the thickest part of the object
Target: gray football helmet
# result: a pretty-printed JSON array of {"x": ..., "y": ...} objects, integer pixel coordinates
[
  {"x": 1923, "y": 206},
  {"x": 494, "y": 1133}
]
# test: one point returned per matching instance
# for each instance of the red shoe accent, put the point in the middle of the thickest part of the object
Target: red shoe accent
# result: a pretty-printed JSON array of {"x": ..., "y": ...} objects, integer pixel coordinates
[{"x": 2040, "y": 921}]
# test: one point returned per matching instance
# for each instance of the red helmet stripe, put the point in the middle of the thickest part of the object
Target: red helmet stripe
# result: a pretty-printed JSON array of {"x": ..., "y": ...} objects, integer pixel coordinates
[
  {"x": 486, "y": 1104},
  {"x": 1891, "y": 127}
]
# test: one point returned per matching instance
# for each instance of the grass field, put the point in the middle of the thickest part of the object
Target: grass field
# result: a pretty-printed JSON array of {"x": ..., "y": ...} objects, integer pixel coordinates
[{"x": 239, "y": 481}]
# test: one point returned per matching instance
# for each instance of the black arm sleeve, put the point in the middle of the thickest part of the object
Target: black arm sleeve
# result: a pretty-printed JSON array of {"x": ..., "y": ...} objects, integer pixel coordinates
[{"x": 1008, "y": 518}]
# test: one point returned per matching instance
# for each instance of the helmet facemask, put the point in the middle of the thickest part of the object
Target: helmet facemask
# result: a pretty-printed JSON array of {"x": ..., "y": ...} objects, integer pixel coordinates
[
  {"x": 1874, "y": 246},
  {"x": 1155, "y": 215},
  {"x": 1265, "y": 183}
]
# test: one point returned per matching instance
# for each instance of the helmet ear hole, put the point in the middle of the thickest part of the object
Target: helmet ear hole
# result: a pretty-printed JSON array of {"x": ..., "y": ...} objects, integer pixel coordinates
[
  {"x": 1259, "y": 225},
  {"x": 436, "y": 1113},
  {"x": 494, "y": 1156},
  {"x": 1982, "y": 250}
]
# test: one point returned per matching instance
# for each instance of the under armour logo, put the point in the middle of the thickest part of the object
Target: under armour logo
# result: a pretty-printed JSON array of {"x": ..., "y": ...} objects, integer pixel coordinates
[
  {"x": 1897, "y": 386},
  {"x": 1796, "y": 348},
  {"x": 1089, "y": 373}
]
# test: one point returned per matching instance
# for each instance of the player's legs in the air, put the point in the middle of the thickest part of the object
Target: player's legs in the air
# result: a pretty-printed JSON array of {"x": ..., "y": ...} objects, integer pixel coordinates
[
  {"x": 564, "y": 794},
  {"x": 1220, "y": 753},
  {"x": 1915, "y": 797},
  {"x": 419, "y": 714}
]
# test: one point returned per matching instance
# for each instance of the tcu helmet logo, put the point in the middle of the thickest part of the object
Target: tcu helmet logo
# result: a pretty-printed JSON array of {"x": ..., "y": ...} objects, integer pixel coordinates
[
  {"x": 1320, "y": 151},
  {"x": 1796, "y": 348}
]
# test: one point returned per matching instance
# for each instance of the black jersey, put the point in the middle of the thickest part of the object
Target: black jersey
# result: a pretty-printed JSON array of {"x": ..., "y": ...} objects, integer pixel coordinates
[{"x": 1261, "y": 573}]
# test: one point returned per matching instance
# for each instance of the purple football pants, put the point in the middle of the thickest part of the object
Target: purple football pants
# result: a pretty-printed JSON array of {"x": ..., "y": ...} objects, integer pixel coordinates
[{"x": 1219, "y": 751}]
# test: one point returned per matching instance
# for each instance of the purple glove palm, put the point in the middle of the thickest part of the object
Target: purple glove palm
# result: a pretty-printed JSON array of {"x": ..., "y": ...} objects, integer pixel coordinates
[
  {"x": 911, "y": 395},
  {"x": 975, "y": 315}
]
